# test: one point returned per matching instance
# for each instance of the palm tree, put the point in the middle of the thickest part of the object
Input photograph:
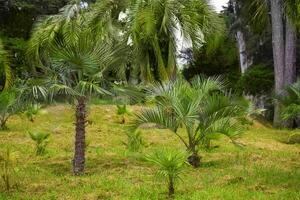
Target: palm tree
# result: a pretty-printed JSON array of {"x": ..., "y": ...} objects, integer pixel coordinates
[
  {"x": 201, "y": 108},
  {"x": 171, "y": 164},
  {"x": 284, "y": 17},
  {"x": 74, "y": 61},
  {"x": 5, "y": 70},
  {"x": 151, "y": 28}
]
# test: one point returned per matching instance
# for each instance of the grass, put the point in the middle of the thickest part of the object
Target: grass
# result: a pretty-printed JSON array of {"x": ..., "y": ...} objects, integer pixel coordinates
[{"x": 265, "y": 168}]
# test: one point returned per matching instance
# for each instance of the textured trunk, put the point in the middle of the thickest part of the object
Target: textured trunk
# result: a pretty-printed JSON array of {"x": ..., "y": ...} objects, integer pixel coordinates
[
  {"x": 290, "y": 60},
  {"x": 278, "y": 53},
  {"x": 194, "y": 159},
  {"x": 3, "y": 123},
  {"x": 245, "y": 62},
  {"x": 171, "y": 187},
  {"x": 290, "y": 53},
  {"x": 79, "y": 156}
]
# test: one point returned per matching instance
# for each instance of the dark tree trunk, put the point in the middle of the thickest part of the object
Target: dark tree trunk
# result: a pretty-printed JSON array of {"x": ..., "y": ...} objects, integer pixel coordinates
[
  {"x": 278, "y": 53},
  {"x": 79, "y": 156},
  {"x": 194, "y": 160},
  {"x": 171, "y": 187},
  {"x": 290, "y": 53},
  {"x": 3, "y": 123}
]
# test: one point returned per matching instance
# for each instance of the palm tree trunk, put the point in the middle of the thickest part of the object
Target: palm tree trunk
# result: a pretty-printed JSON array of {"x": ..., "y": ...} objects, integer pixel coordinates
[
  {"x": 79, "y": 156},
  {"x": 194, "y": 159},
  {"x": 278, "y": 53},
  {"x": 290, "y": 53},
  {"x": 171, "y": 187}
]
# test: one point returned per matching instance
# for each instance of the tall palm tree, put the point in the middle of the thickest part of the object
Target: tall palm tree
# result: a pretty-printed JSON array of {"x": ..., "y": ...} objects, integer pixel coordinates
[
  {"x": 284, "y": 17},
  {"x": 151, "y": 28},
  {"x": 201, "y": 108},
  {"x": 74, "y": 61},
  {"x": 5, "y": 70}
]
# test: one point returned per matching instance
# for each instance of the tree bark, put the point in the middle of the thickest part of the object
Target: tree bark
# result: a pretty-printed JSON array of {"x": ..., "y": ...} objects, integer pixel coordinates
[
  {"x": 290, "y": 53},
  {"x": 194, "y": 160},
  {"x": 278, "y": 53},
  {"x": 79, "y": 156},
  {"x": 171, "y": 187},
  {"x": 245, "y": 61}
]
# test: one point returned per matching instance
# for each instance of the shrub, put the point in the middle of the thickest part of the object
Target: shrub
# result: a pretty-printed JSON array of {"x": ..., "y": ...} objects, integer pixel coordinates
[
  {"x": 170, "y": 166},
  {"x": 294, "y": 138},
  {"x": 201, "y": 108},
  {"x": 32, "y": 111},
  {"x": 291, "y": 103},
  {"x": 7, "y": 169},
  {"x": 8, "y": 106},
  {"x": 41, "y": 140},
  {"x": 134, "y": 141},
  {"x": 123, "y": 111},
  {"x": 258, "y": 79}
]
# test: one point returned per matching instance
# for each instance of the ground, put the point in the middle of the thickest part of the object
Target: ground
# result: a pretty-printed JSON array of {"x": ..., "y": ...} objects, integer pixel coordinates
[{"x": 265, "y": 168}]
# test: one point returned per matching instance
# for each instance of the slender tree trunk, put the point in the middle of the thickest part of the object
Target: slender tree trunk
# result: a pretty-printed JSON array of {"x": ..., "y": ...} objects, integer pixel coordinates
[
  {"x": 245, "y": 62},
  {"x": 290, "y": 53},
  {"x": 194, "y": 159},
  {"x": 79, "y": 156},
  {"x": 171, "y": 187},
  {"x": 278, "y": 53}
]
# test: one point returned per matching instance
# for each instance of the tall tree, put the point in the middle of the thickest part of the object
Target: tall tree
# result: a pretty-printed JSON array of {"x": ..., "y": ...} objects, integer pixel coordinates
[
  {"x": 73, "y": 60},
  {"x": 152, "y": 28},
  {"x": 284, "y": 17},
  {"x": 244, "y": 57}
]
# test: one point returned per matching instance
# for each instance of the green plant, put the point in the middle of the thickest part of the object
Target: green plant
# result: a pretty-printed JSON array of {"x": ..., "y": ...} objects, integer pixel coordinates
[
  {"x": 76, "y": 60},
  {"x": 32, "y": 111},
  {"x": 291, "y": 102},
  {"x": 134, "y": 141},
  {"x": 5, "y": 69},
  {"x": 257, "y": 80},
  {"x": 122, "y": 110},
  {"x": 41, "y": 141},
  {"x": 150, "y": 26},
  {"x": 7, "y": 169},
  {"x": 294, "y": 138},
  {"x": 8, "y": 106},
  {"x": 202, "y": 108},
  {"x": 170, "y": 166}
]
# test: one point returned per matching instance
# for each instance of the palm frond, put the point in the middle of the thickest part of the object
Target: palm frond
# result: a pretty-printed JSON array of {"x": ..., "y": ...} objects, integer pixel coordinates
[{"x": 5, "y": 69}]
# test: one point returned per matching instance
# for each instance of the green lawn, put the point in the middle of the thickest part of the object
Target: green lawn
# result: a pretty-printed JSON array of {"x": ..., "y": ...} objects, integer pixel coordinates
[{"x": 265, "y": 168}]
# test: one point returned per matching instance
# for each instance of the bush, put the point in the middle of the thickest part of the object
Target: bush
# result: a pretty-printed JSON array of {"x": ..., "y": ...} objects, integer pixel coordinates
[
  {"x": 294, "y": 138},
  {"x": 171, "y": 164},
  {"x": 41, "y": 140},
  {"x": 7, "y": 171},
  {"x": 257, "y": 80},
  {"x": 123, "y": 111},
  {"x": 8, "y": 106},
  {"x": 134, "y": 141},
  {"x": 32, "y": 111}
]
